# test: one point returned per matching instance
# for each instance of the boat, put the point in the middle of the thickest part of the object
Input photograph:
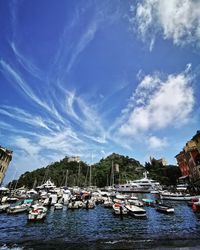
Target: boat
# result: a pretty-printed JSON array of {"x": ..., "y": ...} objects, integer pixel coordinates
[
  {"x": 193, "y": 201},
  {"x": 37, "y": 213},
  {"x": 119, "y": 209},
  {"x": 17, "y": 209},
  {"x": 133, "y": 200},
  {"x": 4, "y": 207},
  {"x": 136, "y": 211},
  {"x": 144, "y": 185},
  {"x": 89, "y": 204},
  {"x": 58, "y": 206},
  {"x": 108, "y": 203},
  {"x": 75, "y": 204},
  {"x": 162, "y": 208},
  {"x": 177, "y": 196},
  {"x": 149, "y": 202}
]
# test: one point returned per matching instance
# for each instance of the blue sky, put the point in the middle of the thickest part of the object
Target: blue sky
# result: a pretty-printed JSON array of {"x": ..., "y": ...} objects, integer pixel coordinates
[{"x": 90, "y": 78}]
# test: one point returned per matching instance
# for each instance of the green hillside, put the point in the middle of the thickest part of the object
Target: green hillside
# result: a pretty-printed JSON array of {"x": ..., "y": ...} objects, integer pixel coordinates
[{"x": 113, "y": 169}]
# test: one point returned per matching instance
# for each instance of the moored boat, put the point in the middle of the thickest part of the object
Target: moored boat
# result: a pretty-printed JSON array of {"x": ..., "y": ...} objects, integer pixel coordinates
[
  {"x": 4, "y": 207},
  {"x": 37, "y": 213},
  {"x": 119, "y": 209},
  {"x": 149, "y": 202},
  {"x": 162, "y": 208},
  {"x": 136, "y": 211},
  {"x": 17, "y": 209},
  {"x": 58, "y": 206},
  {"x": 177, "y": 196}
]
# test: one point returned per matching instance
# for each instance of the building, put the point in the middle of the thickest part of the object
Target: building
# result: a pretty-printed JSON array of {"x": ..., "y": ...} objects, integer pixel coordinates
[
  {"x": 182, "y": 163},
  {"x": 5, "y": 158},
  {"x": 196, "y": 138},
  {"x": 192, "y": 156},
  {"x": 161, "y": 160},
  {"x": 73, "y": 158}
]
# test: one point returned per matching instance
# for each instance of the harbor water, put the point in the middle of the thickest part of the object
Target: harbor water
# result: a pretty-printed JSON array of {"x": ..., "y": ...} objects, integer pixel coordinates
[{"x": 99, "y": 228}]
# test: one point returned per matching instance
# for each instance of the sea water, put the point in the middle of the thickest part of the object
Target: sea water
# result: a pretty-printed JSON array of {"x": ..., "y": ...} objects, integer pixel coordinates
[{"x": 99, "y": 228}]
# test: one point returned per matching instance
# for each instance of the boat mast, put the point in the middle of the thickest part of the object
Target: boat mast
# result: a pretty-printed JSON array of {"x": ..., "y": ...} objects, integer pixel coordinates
[
  {"x": 79, "y": 172},
  {"x": 90, "y": 178},
  {"x": 66, "y": 179},
  {"x": 112, "y": 179}
]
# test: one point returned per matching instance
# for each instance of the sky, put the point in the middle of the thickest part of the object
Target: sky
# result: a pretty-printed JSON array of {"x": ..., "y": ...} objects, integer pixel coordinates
[{"x": 90, "y": 78}]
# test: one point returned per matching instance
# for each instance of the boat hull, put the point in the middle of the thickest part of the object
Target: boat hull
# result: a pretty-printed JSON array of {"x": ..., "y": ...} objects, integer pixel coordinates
[{"x": 177, "y": 198}]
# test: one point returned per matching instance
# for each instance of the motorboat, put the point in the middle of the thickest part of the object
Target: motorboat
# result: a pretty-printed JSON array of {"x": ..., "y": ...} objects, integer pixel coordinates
[
  {"x": 162, "y": 208},
  {"x": 23, "y": 206},
  {"x": 133, "y": 200},
  {"x": 193, "y": 201},
  {"x": 136, "y": 211},
  {"x": 177, "y": 196},
  {"x": 58, "y": 206},
  {"x": 75, "y": 204},
  {"x": 37, "y": 213},
  {"x": 119, "y": 209},
  {"x": 89, "y": 204},
  {"x": 17, "y": 209},
  {"x": 149, "y": 202},
  {"x": 108, "y": 203},
  {"x": 4, "y": 207}
]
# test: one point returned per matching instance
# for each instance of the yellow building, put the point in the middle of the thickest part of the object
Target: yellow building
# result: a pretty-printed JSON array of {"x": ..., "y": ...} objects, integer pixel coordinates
[
  {"x": 196, "y": 138},
  {"x": 5, "y": 158}
]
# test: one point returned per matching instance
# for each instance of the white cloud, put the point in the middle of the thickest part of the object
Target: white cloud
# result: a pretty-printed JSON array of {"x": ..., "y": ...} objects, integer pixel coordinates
[
  {"x": 87, "y": 37},
  {"x": 175, "y": 19},
  {"x": 156, "y": 143},
  {"x": 157, "y": 104},
  {"x": 27, "y": 145}
]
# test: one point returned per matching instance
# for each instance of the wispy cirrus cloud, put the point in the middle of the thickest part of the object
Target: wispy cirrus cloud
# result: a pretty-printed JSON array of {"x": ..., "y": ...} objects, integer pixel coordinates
[
  {"x": 86, "y": 38},
  {"x": 26, "y": 63},
  {"x": 12, "y": 75},
  {"x": 175, "y": 20}
]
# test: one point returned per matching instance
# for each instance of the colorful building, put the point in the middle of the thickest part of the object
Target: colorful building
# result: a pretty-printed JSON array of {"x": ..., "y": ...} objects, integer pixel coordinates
[
  {"x": 192, "y": 156},
  {"x": 5, "y": 158},
  {"x": 196, "y": 138},
  {"x": 182, "y": 163}
]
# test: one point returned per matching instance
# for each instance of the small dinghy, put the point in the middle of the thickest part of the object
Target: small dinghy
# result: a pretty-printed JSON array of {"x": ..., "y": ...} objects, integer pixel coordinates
[
  {"x": 162, "y": 208},
  {"x": 136, "y": 211}
]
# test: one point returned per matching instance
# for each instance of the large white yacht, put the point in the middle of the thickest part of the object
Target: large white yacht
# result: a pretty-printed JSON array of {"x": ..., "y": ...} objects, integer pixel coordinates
[{"x": 142, "y": 185}]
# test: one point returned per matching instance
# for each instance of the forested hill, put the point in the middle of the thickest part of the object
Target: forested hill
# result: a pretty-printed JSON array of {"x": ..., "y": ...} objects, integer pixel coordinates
[
  {"x": 74, "y": 173},
  {"x": 113, "y": 169}
]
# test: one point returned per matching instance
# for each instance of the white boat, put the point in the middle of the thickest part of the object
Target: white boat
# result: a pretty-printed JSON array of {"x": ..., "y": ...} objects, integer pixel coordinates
[
  {"x": 119, "y": 209},
  {"x": 47, "y": 185},
  {"x": 89, "y": 204},
  {"x": 177, "y": 196},
  {"x": 75, "y": 204},
  {"x": 136, "y": 211},
  {"x": 133, "y": 200},
  {"x": 58, "y": 206},
  {"x": 17, "y": 209},
  {"x": 145, "y": 185},
  {"x": 37, "y": 213},
  {"x": 4, "y": 207},
  {"x": 164, "y": 208},
  {"x": 108, "y": 203}
]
